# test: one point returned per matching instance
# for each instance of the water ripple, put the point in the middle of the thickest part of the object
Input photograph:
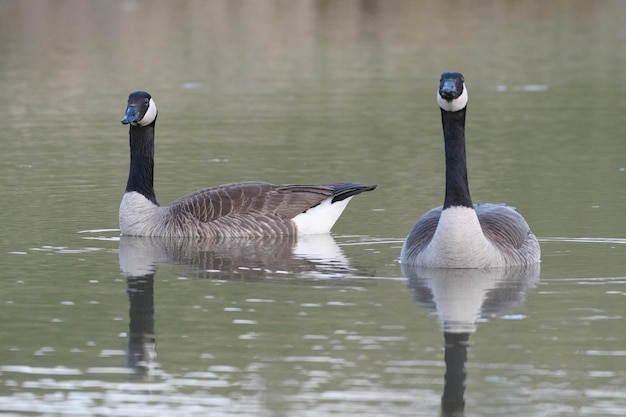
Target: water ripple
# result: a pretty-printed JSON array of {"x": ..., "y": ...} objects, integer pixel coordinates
[{"x": 583, "y": 239}]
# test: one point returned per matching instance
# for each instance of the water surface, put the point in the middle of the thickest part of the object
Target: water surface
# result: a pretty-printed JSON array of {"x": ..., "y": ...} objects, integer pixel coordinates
[{"x": 310, "y": 92}]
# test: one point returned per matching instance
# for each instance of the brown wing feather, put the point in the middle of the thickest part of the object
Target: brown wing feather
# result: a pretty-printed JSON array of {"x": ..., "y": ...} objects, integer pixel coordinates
[{"x": 284, "y": 201}]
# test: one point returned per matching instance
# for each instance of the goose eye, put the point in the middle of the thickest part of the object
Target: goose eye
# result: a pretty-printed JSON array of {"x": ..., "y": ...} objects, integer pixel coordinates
[{"x": 146, "y": 101}]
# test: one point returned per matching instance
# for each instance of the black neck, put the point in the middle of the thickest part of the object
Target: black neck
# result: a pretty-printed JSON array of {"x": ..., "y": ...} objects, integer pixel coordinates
[
  {"x": 141, "y": 175},
  {"x": 457, "y": 188}
]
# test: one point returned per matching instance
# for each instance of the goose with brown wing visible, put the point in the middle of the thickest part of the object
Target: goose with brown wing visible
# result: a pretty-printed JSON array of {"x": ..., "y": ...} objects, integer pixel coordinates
[{"x": 246, "y": 209}]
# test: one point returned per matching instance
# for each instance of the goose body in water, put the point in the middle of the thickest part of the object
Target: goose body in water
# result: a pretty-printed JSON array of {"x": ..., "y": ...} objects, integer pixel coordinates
[
  {"x": 246, "y": 209},
  {"x": 461, "y": 234}
]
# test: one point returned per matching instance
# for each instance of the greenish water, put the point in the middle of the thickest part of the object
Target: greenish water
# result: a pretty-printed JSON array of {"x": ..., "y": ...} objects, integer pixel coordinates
[{"x": 309, "y": 92}]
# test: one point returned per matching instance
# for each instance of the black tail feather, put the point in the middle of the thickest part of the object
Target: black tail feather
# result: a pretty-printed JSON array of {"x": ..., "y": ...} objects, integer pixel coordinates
[{"x": 343, "y": 190}]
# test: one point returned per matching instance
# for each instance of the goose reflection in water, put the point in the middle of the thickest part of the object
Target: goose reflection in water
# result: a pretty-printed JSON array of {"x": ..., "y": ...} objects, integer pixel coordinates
[
  {"x": 314, "y": 256},
  {"x": 460, "y": 297}
]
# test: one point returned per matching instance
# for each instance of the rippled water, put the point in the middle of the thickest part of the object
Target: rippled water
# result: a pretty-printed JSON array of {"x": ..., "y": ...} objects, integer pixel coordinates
[{"x": 310, "y": 92}]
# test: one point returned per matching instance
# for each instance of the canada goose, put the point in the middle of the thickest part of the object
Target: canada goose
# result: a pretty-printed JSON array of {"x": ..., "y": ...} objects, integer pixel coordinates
[
  {"x": 247, "y": 209},
  {"x": 460, "y": 234}
]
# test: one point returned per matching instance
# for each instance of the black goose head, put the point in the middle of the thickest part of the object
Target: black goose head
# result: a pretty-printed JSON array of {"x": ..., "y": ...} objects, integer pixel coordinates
[
  {"x": 141, "y": 109},
  {"x": 452, "y": 93}
]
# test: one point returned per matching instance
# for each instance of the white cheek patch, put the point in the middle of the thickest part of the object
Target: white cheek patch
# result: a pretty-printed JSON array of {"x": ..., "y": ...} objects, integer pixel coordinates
[
  {"x": 150, "y": 115},
  {"x": 454, "y": 105}
]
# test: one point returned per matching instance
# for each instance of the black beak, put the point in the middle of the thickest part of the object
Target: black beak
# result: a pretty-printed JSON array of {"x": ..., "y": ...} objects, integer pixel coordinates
[
  {"x": 448, "y": 90},
  {"x": 132, "y": 114}
]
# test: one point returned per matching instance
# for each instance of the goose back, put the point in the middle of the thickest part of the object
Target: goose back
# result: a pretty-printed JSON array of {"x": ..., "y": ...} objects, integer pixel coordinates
[{"x": 246, "y": 209}]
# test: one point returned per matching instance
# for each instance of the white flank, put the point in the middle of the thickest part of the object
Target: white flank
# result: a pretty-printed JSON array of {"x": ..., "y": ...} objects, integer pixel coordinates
[
  {"x": 138, "y": 215},
  {"x": 454, "y": 105},
  {"x": 321, "y": 218},
  {"x": 150, "y": 115},
  {"x": 459, "y": 242}
]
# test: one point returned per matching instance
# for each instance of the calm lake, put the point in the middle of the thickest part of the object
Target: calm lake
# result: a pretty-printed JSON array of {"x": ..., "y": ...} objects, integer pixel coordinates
[{"x": 311, "y": 92}]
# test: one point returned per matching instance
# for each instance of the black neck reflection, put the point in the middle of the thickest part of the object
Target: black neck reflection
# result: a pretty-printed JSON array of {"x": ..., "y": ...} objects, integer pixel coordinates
[
  {"x": 460, "y": 297},
  {"x": 141, "y": 337},
  {"x": 453, "y": 398},
  {"x": 258, "y": 260}
]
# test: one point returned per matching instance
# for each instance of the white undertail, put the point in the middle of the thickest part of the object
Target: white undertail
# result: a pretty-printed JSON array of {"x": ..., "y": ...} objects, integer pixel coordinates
[{"x": 321, "y": 218}]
